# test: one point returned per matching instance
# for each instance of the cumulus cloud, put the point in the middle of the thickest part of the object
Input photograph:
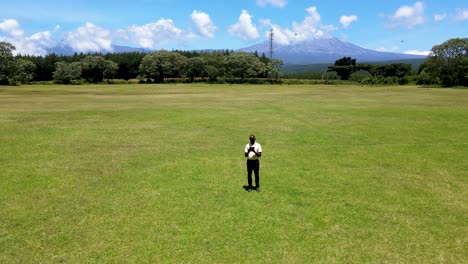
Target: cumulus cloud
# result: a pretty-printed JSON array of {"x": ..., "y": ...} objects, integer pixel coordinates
[
  {"x": 276, "y": 3},
  {"x": 417, "y": 52},
  {"x": 204, "y": 24},
  {"x": 244, "y": 28},
  {"x": 92, "y": 38},
  {"x": 461, "y": 14},
  {"x": 89, "y": 38},
  {"x": 11, "y": 27},
  {"x": 35, "y": 44},
  {"x": 152, "y": 35},
  {"x": 310, "y": 28},
  {"x": 347, "y": 20},
  {"x": 407, "y": 16},
  {"x": 43, "y": 39},
  {"x": 440, "y": 17}
]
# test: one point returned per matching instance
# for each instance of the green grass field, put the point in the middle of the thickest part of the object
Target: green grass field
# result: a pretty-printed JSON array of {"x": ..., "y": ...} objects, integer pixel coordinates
[{"x": 154, "y": 173}]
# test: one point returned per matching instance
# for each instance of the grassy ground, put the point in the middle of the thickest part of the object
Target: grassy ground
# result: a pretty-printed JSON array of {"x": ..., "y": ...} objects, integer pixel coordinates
[{"x": 154, "y": 173}]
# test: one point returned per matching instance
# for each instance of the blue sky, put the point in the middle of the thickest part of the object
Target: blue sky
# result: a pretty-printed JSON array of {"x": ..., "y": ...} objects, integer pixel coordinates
[{"x": 85, "y": 25}]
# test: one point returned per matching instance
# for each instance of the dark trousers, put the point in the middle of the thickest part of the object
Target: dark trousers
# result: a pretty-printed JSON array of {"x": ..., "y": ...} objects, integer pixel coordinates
[{"x": 253, "y": 165}]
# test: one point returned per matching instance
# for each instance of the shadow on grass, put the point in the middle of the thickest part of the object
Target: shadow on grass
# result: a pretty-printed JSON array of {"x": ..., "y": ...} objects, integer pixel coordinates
[{"x": 249, "y": 189}]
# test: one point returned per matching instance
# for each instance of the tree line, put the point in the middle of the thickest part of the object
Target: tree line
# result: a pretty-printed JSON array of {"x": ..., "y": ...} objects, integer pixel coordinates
[
  {"x": 396, "y": 73},
  {"x": 447, "y": 65},
  {"x": 157, "y": 67}
]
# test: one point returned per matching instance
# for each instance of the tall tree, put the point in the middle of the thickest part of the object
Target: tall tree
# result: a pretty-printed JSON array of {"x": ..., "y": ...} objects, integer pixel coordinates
[
  {"x": 243, "y": 65},
  {"x": 7, "y": 62},
  {"x": 96, "y": 68},
  {"x": 110, "y": 70},
  {"x": 344, "y": 67},
  {"x": 195, "y": 68},
  {"x": 449, "y": 62},
  {"x": 24, "y": 70},
  {"x": 274, "y": 69},
  {"x": 162, "y": 64},
  {"x": 214, "y": 64},
  {"x": 66, "y": 72},
  {"x": 128, "y": 63}
]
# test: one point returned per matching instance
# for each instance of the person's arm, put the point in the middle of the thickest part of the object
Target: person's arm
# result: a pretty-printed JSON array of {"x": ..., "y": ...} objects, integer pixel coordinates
[
  {"x": 246, "y": 151},
  {"x": 259, "y": 153}
]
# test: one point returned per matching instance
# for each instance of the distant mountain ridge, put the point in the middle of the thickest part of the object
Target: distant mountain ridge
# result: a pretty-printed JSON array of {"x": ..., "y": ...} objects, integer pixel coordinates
[
  {"x": 66, "y": 50},
  {"x": 325, "y": 50}
]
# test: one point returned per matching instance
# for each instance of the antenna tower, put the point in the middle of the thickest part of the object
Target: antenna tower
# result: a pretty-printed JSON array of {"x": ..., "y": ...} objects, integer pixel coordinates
[{"x": 271, "y": 43}]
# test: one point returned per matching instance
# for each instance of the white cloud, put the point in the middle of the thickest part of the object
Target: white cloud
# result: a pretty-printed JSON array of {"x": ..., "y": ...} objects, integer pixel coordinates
[
  {"x": 392, "y": 49},
  {"x": 35, "y": 44},
  {"x": 244, "y": 28},
  {"x": 461, "y": 14},
  {"x": 417, "y": 52},
  {"x": 204, "y": 24},
  {"x": 407, "y": 16},
  {"x": 152, "y": 35},
  {"x": 276, "y": 3},
  {"x": 310, "y": 28},
  {"x": 89, "y": 38},
  {"x": 43, "y": 39},
  {"x": 11, "y": 27},
  {"x": 440, "y": 17},
  {"x": 347, "y": 20}
]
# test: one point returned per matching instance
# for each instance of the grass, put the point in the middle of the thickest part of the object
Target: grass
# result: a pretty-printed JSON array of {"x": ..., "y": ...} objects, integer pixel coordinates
[{"x": 154, "y": 173}]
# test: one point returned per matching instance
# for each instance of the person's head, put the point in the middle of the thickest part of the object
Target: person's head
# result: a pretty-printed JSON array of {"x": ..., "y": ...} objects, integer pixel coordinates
[{"x": 252, "y": 139}]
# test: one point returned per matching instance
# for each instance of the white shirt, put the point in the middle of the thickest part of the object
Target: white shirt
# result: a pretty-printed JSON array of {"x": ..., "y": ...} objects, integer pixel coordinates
[{"x": 251, "y": 155}]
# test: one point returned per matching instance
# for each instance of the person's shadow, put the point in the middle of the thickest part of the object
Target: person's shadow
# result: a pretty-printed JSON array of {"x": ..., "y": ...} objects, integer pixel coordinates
[{"x": 246, "y": 188}]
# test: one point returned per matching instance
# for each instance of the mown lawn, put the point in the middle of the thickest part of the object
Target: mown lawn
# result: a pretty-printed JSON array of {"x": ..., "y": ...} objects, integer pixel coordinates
[{"x": 154, "y": 173}]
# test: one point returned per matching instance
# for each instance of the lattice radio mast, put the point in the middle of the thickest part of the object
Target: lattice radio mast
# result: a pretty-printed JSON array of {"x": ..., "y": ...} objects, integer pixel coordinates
[{"x": 272, "y": 35}]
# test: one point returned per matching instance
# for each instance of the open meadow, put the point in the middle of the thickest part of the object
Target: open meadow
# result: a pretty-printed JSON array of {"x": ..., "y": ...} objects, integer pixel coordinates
[{"x": 154, "y": 173}]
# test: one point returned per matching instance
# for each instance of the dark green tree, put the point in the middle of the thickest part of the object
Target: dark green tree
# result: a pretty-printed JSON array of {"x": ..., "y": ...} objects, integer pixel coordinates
[
  {"x": 162, "y": 64},
  {"x": 243, "y": 65},
  {"x": 345, "y": 61},
  {"x": 7, "y": 62},
  {"x": 344, "y": 67},
  {"x": 214, "y": 65},
  {"x": 110, "y": 70},
  {"x": 195, "y": 68},
  {"x": 96, "y": 68},
  {"x": 449, "y": 62},
  {"x": 128, "y": 64},
  {"x": 24, "y": 70},
  {"x": 66, "y": 72}
]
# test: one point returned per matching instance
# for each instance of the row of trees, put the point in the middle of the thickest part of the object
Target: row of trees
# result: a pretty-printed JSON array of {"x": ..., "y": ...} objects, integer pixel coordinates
[
  {"x": 153, "y": 67},
  {"x": 447, "y": 66},
  {"x": 347, "y": 68},
  {"x": 162, "y": 65},
  {"x": 93, "y": 69}
]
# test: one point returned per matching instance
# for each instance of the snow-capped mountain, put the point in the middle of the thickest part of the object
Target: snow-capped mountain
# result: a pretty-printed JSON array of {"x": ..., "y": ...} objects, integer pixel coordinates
[
  {"x": 316, "y": 51},
  {"x": 62, "y": 49},
  {"x": 325, "y": 50}
]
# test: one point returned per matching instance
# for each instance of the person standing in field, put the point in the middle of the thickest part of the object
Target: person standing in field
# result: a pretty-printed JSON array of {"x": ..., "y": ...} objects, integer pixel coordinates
[{"x": 253, "y": 152}]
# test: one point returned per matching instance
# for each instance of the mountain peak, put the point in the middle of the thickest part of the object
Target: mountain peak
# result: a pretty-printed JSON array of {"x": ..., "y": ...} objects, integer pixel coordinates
[{"x": 323, "y": 49}]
